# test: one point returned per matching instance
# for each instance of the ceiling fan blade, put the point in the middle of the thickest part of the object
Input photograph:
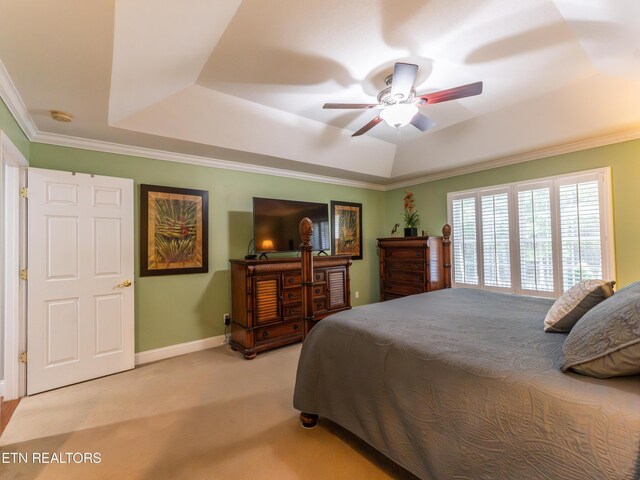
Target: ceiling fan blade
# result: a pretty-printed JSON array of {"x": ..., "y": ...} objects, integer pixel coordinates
[
  {"x": 351, "y": 105},
  {"x": 368, "y": 126},
  {"x": 453, "y": 93},
  {"x": 404, "y": 74},
  {"x": 422, "y": 122}
]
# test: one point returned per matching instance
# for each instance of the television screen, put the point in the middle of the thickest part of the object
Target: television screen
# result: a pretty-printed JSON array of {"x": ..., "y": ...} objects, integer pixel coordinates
[{"x": 275, "y": 224}]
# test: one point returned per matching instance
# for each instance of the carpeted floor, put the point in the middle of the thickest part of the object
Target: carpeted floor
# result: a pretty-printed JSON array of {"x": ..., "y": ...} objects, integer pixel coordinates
[{"x": 206, "y": 415}]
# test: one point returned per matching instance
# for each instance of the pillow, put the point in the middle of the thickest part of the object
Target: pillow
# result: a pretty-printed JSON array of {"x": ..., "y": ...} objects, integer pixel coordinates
[
  {"x": 575, "y": 302},
  {"x": 606, "y": 341}
]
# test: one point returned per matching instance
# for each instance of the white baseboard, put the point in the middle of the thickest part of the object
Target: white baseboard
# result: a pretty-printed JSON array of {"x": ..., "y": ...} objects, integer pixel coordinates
[{"x": 179, "y": 349}]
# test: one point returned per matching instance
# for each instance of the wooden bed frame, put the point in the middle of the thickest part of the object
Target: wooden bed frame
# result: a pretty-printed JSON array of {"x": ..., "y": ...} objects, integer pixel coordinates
[{"x": 310, "y": 420}]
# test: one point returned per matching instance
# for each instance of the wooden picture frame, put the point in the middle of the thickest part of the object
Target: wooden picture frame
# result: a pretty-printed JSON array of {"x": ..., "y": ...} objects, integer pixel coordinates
[
  {"x": 346, "y": 229},
  {"x": 174, "y": 230}
]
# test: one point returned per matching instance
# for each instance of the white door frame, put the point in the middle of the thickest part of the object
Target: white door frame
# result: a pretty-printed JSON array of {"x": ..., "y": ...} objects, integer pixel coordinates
[{"x": 13, "y": 176}]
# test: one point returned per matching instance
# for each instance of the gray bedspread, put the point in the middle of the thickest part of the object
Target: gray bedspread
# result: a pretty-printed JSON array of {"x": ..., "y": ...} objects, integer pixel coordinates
[{"x": 464, "y": 384}]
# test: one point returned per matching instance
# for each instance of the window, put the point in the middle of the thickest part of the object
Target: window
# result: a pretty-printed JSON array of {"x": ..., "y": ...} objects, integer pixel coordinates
[
  {"x": 464, "y": 240},
  {"x": 580, "y": 229},
  {"x": 495, "y": 239},
  {"x": 537, "y": 237}
]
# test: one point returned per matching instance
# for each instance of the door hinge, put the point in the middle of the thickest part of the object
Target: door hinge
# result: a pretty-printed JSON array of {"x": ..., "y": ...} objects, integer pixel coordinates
[
  {"x": 24, "y": 274},
  {"x": 23, "y": 357},
  {"x": 24, "y": 192}
]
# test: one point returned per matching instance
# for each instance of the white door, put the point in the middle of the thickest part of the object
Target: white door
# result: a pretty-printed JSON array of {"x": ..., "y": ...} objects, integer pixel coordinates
[{"x": 80, "y": 254}]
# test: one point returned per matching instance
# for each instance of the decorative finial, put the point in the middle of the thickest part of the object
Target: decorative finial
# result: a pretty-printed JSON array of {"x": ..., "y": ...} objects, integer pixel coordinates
[
  {"x": 306, "y": 227},
  {"x": 446, "y": 231}
]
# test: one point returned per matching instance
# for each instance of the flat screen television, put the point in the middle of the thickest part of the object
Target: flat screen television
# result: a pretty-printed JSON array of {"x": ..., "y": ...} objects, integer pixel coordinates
[{"x": 275, "y": 224}]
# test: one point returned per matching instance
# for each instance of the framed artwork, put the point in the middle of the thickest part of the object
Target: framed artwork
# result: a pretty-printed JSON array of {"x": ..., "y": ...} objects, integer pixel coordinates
[
  {"x": 174, "y": 230},
  {"x": 346, "y": 225}
]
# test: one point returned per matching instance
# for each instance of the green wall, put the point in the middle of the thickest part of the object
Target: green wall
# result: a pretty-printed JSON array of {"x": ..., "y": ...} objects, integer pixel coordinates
[
  {"x": 623, "y": 158},
  {"x": 180, "y": 308},
  {"x": 11, "y": 128}
]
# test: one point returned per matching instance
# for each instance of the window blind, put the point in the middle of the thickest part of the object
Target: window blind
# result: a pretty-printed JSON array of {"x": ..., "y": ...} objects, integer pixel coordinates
[
  {"x": 465, "y": 248},
  {"x": 495, "y": 240},
  {"x": 580, "y": 232},
  {"x": 537, "y": 237},
  {"x": 536, "y": 240}
]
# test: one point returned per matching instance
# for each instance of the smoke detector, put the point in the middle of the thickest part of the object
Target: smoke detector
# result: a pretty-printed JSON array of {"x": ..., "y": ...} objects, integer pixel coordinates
[{"x": 61, "y": 116}]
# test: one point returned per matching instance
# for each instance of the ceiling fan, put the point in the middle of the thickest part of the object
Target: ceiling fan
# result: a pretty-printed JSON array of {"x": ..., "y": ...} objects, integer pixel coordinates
[{"x": 399, "y": 102}]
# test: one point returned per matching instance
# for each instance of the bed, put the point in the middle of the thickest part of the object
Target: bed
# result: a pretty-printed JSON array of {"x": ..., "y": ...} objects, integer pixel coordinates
[{"x": 465, "y": 384}]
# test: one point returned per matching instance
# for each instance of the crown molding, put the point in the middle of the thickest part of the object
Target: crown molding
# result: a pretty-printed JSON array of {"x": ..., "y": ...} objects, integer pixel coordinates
[
  {"x": 16, "y": 106},
  {"x": 585, "y": 144},
  {"x": 108, "y": 147}
]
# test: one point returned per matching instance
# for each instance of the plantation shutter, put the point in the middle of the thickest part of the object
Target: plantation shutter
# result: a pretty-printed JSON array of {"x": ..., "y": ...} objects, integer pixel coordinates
[
  {"x": 536, "y": 239},
  {"x": 580, "y": 232},
  {"x": 465, "y": 247},
  {"x": 495, "y": 239}
]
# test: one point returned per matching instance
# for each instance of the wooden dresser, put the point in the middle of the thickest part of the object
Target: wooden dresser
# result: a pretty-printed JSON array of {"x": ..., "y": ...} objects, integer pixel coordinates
[
  {"x": 410, "y": 265},
  {"x": 266, "y": 299}
]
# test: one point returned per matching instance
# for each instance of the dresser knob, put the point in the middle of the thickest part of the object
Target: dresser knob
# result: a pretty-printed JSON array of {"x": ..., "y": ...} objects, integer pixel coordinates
[
  {"x": 290, "y": 295},
  {"x": 317, "y": 276},
  {"x": 417, "y": 254},
  {"x": 265, "y": 334},
  {"x": 290, "y": 279},
  {"x": 318, "y": 305},
  {"x": 317, "y": 291},
  {"x": 295, "y": 327}
]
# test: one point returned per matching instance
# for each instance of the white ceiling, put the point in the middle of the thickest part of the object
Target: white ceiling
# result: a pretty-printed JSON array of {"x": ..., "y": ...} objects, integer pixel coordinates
[{"x": 245, "y": 80}]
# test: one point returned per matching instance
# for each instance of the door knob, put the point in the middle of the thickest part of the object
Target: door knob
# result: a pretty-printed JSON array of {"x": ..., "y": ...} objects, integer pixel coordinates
[{"x": 126, "y": 283}]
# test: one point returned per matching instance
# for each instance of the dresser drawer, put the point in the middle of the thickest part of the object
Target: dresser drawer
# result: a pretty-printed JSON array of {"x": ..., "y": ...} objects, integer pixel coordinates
[
  {"x": 402, "y": 289},
  {"x": 319, "y": 304},
  {"x": 264, "y": 334},
  {"x": 391, "y": 296},
  {"x": 319, "y": 291},
  {"x": 401, "y": 276},
  {"x": 292, "y": 312},
  {"x": 404, "y": 253},
  {"x": 319, "y": 276},
  {"x": 291, "y": 295},
  {"x": 291, "y": 279},
  {"x": 410, "y": 265}
]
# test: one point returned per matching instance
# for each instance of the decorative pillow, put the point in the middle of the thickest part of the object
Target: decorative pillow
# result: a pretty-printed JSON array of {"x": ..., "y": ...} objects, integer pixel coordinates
[
  {"x": 606, "y": 341},
  {"x": 575, "y": 302}
]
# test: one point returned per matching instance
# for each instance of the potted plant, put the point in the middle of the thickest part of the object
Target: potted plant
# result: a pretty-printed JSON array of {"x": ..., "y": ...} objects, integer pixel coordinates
[{"x": 410, "y": 216}]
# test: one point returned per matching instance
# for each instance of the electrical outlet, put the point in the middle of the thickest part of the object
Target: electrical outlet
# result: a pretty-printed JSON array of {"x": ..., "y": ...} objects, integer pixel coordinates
[
  {"x": 357, "y": 294},
  {"x": 227, "y": 319}
]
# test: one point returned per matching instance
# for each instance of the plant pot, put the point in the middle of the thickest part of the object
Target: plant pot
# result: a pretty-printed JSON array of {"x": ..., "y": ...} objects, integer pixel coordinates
[{"x": 411, "y": 232}]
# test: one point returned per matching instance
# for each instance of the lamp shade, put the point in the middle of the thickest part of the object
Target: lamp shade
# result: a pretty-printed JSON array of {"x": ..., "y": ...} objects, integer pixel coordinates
[
  {"x": 266, "y": 245},
  {"x": 399, "y": 115}
]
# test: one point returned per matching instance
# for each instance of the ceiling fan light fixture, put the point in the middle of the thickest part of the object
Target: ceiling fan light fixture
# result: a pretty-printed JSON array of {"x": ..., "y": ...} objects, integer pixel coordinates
[
  {"x": 399, "y": 115},
  {"x": 399, "y": 102}
]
